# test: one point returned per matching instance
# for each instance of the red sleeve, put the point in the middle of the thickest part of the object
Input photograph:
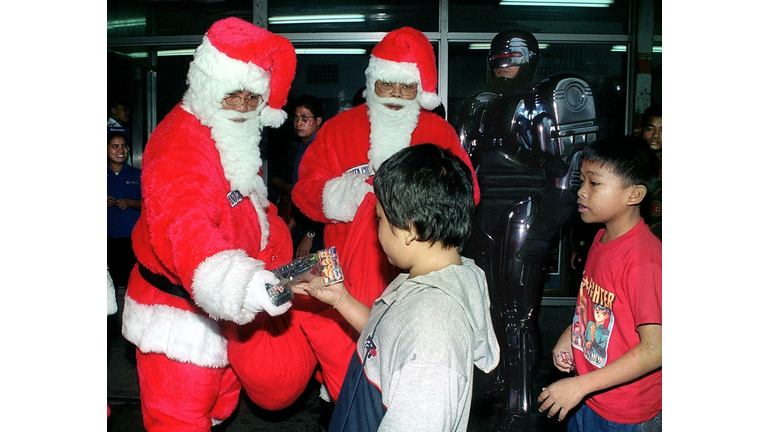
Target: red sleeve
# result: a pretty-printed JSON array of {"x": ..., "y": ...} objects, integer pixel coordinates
[{"x": 183, "y": 198}]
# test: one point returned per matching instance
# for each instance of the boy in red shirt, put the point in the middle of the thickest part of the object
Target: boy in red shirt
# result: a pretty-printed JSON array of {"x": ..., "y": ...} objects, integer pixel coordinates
[{"x": 615, "y": 339}]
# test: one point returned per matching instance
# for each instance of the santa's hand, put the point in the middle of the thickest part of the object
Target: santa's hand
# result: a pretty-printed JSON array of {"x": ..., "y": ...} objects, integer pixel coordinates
[
  {"x": 256, "y": 297},
  {"x": 342, "y": 196}
]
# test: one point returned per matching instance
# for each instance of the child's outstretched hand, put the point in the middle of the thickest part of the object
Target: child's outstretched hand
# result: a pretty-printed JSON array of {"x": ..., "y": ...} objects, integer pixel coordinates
[
  {"x": 336, "y": 295},
  {"x": 316, "y": 288}
]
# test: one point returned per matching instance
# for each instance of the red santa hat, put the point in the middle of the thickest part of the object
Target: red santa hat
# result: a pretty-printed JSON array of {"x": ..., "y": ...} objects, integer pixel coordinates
[
  {"x": 405, "y": 55},
  {"x": 237, "y": 55}
]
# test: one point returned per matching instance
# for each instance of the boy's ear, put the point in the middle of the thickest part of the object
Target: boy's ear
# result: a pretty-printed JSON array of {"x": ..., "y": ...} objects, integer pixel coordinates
[
  {"x": 411, "y": 235},
  {"x": 637, "y": 194}
]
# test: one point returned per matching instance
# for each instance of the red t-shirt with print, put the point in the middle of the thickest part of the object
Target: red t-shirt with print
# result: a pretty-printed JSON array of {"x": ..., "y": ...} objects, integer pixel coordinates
[{"x": 620, "y": 290}]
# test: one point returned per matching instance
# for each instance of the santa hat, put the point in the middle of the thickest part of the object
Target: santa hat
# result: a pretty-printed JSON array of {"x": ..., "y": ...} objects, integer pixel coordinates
[
  {"x": 406, "y": 56},
  {"x": 237, "y": 55}
]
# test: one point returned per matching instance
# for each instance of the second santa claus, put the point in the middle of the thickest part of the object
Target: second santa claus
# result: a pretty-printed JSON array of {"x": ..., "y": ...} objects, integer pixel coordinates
[{"x": 335, "y": 177}]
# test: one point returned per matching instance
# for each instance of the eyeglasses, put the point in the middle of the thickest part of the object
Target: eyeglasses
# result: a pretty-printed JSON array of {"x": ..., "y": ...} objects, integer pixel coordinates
[
  {"x": 252, "y": 100},
  {"x": 407, "y": 90},
  {"x": 302, "y": 118}
]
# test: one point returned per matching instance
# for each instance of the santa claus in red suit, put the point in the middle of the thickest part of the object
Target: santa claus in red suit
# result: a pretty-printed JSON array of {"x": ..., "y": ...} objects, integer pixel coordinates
[
  {"x": 335, "y": 176},
  {"x": 207, "y": 236}
]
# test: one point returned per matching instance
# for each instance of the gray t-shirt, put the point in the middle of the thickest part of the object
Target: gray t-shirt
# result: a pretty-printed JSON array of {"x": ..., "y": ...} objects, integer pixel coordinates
[{"x": 420, "y": 346}]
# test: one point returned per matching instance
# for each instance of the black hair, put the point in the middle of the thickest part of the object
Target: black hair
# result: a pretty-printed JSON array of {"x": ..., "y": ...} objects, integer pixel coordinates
[
  {"x": 114, "y": 134},
  {"x": 429, "y": 189},
  {"x": 114, "y": 103},
  {"x": 651, "y": 111},
  {"x": 628, "y": 157},
  {"x": 358, "y": 98},
  {"x": 312, "y": 103}
]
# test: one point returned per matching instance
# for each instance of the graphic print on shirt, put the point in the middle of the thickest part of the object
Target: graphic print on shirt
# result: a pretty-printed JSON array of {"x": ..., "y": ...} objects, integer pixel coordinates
[
  {"x": 370, "y": 347},
  {"x": 593, "y": 322}
]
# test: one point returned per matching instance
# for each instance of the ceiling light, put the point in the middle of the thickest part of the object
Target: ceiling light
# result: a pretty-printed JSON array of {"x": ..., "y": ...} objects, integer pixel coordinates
[
  {"x": 164, "y": 53},
  {"x": 126, "y": 23},
  {"x": 176, "y": 52},
  {"x": 559, "y": 3},
  {"x": 343, "y": 51},
  {"x": 379, "y": 16},
  {"x": 309, "y": 51},
  {"x": 317, "y": 19},
  {"x": 623, "y": 48}
]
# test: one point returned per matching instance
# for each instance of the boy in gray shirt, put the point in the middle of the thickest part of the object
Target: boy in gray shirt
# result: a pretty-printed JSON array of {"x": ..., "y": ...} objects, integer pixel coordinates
[{"x": 414, "y": 362}]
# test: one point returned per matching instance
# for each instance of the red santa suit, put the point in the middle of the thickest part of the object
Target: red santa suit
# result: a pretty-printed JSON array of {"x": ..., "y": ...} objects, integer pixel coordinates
[
  {"x": 207, "y": 235},
  {"x": 334, "y": 185}
]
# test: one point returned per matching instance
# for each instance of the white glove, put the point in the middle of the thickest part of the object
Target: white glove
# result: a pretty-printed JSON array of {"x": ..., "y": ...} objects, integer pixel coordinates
[
  {"x": 342, "y": 196},
  {"x": 256, "y": 297}
]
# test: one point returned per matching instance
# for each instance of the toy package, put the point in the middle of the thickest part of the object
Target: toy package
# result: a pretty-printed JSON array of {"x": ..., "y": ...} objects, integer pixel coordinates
[
  {"x": 324, "y": 262},
  {"x": 566, "y": 358}
]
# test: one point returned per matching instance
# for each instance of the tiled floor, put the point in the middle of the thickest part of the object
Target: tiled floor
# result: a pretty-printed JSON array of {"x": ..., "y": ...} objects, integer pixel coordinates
[{"x": 123, "y": 391}]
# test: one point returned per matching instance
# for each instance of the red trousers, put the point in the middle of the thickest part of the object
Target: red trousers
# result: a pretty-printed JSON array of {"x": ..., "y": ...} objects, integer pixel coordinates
[{"x": 179, "y": 396}]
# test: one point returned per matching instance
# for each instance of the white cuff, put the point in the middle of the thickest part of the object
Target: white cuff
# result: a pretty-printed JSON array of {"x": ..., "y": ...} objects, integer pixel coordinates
[
  {"x": 343, "y": 195},
  {"x": 220, "y": 285}
]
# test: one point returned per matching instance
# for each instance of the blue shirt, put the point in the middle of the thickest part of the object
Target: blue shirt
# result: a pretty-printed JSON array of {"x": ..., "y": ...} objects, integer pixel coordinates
[
  {"x": 302, "y": 147},
  {"x": 125, "y": 184}
]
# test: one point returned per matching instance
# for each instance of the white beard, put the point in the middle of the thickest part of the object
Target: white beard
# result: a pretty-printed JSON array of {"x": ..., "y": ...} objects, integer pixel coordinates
[
  {"x": 390, "y": 129},
  {"x": 238, "y": 146},
  {"x": 239, "y": 154}
]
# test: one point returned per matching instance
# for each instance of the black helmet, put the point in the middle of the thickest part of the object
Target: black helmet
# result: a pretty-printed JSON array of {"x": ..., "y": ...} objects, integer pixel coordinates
[{"x": 515, "y": 48}]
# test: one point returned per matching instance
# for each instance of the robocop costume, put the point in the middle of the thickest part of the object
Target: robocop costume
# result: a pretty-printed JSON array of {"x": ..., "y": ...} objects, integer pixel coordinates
[{"x": 525, "y": 144}]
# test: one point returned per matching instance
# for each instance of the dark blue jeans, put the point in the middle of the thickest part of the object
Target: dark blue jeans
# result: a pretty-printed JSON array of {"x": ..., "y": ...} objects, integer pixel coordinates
[{"x": 586, "y": 420}]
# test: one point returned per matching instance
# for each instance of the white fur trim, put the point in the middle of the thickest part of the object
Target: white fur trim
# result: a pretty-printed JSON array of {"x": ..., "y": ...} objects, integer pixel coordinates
[
  {"x": 111, "y": 300},
  {"x": 220, "y": 282},
  {"x": 234, "y": 73},
  {"x": 392, "y": 71},
  {"x": 273, "y": 117},
  {"x": 343, "y": 195},
  {"x": 179, "y": 334},
  {"x": 260, "y": 202}
]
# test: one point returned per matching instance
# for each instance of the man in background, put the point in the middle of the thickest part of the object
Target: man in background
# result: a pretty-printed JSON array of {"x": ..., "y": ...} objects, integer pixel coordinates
[{"x": 650, "y": 131}]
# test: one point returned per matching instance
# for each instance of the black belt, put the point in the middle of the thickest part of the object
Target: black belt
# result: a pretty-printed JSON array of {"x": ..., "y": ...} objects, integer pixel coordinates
[{"x": 163, "y": 283}]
